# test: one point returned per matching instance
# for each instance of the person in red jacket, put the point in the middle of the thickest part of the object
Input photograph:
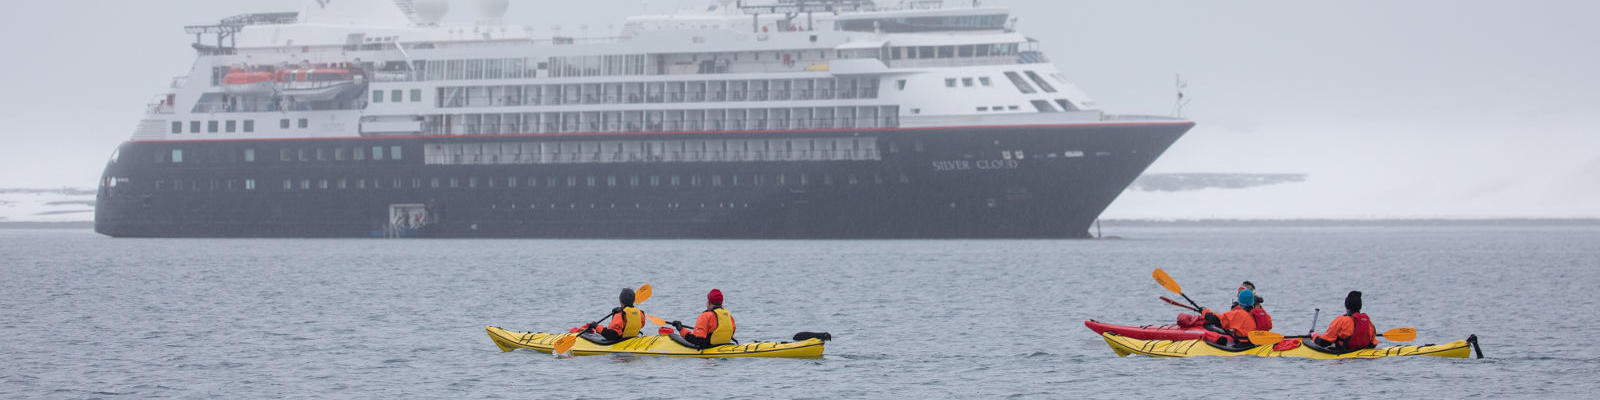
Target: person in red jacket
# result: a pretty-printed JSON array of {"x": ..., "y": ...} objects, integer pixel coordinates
[
  {"x": 714, "y": 327},
  {"x": 1262, "y": 319},
  {"x": 1237, "y": 322},
  {"x": 626, "y": 321},
  {"x": 1351, "y": 331}
]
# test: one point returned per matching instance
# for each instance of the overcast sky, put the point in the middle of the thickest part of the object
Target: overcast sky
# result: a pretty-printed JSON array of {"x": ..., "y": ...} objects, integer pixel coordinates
[{"x": 1415, "y": 108}]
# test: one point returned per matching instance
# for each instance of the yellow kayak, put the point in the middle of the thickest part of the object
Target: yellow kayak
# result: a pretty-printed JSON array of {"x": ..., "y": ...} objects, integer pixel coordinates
[
  {"x": 1195, "y": 348},
  {"x": 663, "y": 345}
]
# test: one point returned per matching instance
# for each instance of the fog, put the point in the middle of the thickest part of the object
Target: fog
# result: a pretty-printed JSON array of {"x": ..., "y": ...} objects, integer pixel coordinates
[{"x": 1415, "y": 109}]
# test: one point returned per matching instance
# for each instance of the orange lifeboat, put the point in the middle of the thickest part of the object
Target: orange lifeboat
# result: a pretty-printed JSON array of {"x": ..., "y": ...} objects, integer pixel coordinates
[{"x": 239, "y": 82}]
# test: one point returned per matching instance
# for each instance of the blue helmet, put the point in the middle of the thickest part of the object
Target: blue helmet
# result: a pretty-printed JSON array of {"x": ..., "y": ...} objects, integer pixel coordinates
[{"x": 1247, "y": 298}]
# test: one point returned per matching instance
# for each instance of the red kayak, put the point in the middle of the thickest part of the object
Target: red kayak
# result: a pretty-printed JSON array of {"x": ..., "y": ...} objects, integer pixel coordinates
[{"x": 1148, "y": 332}]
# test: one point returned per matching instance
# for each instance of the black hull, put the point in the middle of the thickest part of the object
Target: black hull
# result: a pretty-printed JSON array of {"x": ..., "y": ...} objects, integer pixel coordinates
[{"x": 927, "y": 183}]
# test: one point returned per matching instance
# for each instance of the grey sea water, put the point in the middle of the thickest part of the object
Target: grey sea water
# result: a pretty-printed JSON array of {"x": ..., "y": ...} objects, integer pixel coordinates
[{"x": 83, "y": 316}]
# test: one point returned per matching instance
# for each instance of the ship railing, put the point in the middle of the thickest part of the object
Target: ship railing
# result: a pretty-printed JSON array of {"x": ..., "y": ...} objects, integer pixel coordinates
[
  {"x": 212, "y": 108},
  {"x": 160, "y": 108},
  {"x": 955, "y": 62},
  {"x": 396, "y": 76}
]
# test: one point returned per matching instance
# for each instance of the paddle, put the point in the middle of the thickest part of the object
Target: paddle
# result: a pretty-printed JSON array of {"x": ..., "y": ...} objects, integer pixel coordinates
[
  {"x": 565, "y": 342},
  {"x": 1171, "y": 285},
  {"x": 1263, "y": 338},
  {"x": 1176, "y": 303},
  {"x": 656, "y": 320}
]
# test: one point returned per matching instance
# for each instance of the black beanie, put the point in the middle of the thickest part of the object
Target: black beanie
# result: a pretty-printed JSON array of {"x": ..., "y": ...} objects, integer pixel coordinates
[
  {"x": 1352, "y": 301},
  {"x": 626, "y": 297}
]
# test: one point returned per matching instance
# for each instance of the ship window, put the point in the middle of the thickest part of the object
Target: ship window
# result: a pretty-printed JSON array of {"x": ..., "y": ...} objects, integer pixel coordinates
[
  {"x": 472, "y": 182},
  {"x": 1044, "y": 106},
  {"x": 674, "y": 180},
  {"x": 361, "y": 184},
  {"x": 633, "y": 180},
  {"x": 1066, "y": 105},
  {"x": 1013, "y": 108},
  {"x": 177, "y": 155},
  {"x": 232, "y": 126},
  {"x": 283, "y": 123},
  {"x": 305, "y": 123},
  {"x": 394, "y": 152},
  {"x": 901, "y": 84},
  {"x": 377, "y": 153},
  {"x": 511, "y": 182},
  {"x": 396, "y": 96},
  {"x": 716, "y": 180},
  {"x": 611, "y": 181},
  {"x": 416, "y": 95},
  {"x": 249, "y": 155},
  {"x": 533, "y": 181},
  {"x": 303, "y": 156},
  {"x": 950, "y": 82},
  {"x": 984, "y": 80},
  {"x": 572, "y": 181},
  {"x": 177, "y": 126},
  {"x": 249, "y": 184},
  {"x": 322, "y": 184},
  {"x": 967, "y": 82},
  {"x": 358, "y": 154},
  {"x": 338, "y": 154},
  {"x": 1040, "y": 81},
  {"x": 455, "y": 183},
  {"x": 322, "y": 154},
  {"x": 1021, "y": 84},
  {"x": 288, "y": 184},
  {"x": 947, "y": 51},
  {"x": 283, "y": 155},
  {"x": 434, "y": 183},
  {"x": 377, "y": 96},
  {"x": 249, "y": 126},
  {"x": 305, "y": 184},
  {"x": 982, "y": 109},
  {"x": 590, "y": 181},
  {"x": 211, "y": 126}
]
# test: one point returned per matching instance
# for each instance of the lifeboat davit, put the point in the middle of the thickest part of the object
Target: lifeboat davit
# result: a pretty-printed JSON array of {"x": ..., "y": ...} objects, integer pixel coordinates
[
  {"x": 316, "y": 84},
  {"x": 246, "y": 83}
]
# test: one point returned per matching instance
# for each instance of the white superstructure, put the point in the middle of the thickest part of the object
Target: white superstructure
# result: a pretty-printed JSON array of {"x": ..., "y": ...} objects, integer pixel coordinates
[{"x": 346, "y": 68}]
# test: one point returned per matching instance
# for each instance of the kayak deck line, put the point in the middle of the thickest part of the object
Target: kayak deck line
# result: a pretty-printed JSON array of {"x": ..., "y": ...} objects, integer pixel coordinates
[
  {"x": 653, "y": 346},
  {"x": 1125, "y": 346}
]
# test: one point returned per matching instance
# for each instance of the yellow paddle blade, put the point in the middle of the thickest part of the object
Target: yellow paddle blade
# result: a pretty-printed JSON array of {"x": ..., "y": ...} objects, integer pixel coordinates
[
  {"x": 1166, "y": 281},
  {"x": 1263, "y": 338},
  {"x": 655, "y": 320},
  {"x": 639, "y": 296},
  {"x": 1401, "y": 334},
  {"x": 565, "y": 343}
]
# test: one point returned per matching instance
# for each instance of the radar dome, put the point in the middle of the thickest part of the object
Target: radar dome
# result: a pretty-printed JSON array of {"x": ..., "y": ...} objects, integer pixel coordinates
[
  {"x": 491, "y": 11},
  {"x": 430, "y": 12}
]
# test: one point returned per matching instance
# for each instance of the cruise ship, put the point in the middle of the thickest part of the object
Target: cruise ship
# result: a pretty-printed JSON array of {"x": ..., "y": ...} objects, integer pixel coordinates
[{"x": 749, "y": 119}]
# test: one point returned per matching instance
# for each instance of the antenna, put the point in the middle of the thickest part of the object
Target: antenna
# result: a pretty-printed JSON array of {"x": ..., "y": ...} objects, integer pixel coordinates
[{"x": 1181, "y": 85}]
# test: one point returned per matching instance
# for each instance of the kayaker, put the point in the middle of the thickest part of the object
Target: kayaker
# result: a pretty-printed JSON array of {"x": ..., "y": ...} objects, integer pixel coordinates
[
  {"x": 1238, "y": 322},
  {"x": 1263, "y": 320},
  {"x": 714, "y": 327},
  {"x": 626, "y": 321},
  {"x": 1351, "y": 331}
]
